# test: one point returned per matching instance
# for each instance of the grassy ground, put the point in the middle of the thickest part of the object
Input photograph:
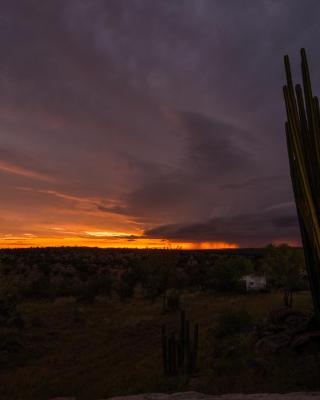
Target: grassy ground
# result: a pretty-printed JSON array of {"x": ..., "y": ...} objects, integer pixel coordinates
[{"x": 110, "y": 348}]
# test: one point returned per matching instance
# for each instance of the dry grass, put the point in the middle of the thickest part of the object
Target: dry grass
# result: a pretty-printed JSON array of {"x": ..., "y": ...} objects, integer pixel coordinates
[{"x": 111, "y": 348}]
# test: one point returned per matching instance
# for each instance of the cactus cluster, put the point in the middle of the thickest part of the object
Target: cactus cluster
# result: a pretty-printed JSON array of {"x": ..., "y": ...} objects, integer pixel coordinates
[
  {"x": 180, "y": 353},
  {"x": 303, "y": 142}
]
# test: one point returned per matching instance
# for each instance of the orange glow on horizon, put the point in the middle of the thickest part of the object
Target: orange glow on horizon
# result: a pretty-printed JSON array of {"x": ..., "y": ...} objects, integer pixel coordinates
[{"x": 26, "y": 241}]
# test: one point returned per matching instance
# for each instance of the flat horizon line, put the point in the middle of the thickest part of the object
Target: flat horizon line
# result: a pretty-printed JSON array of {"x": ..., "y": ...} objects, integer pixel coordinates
[{"x": 139, "y": 248}]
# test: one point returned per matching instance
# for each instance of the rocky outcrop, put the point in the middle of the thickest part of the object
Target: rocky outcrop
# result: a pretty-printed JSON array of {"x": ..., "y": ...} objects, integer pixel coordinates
[
  {"x": 287, "y": 329},
  {"x": 201, "y": 396}
]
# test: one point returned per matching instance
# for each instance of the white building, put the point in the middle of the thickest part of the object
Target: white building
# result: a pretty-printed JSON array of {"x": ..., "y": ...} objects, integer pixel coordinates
[{"x": 255, "y": 282}]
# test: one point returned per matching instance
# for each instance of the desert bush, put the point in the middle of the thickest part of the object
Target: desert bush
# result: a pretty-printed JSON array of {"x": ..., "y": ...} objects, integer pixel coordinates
[
  {"x": 87, "y": 291},
  {"x": 153, "y": 285},
  {"x": 61, "y": 286},
  {"x": 232, "y": 354},
  {"x": 86, "y": 295},
  {"x": 230, "y": 343},
  {"x": 78, "y": 315},
  {"x": 171, "y": 300},
  {"x": 227, "y": 271},
  {"x": 159, "y": 272},
  {"x": 10, "y": 317},
  {"x": 284, "y": 266},
  {"x": 128, "y": 281},
  {"x": 9, "y": 301},
  {"x": 14, "y": 348},
  {"x": 196, "y": 273},
  {"x": 124, "y": 291},
  {"x": 156, "y": 281},
  {"x": 232, "y": 322},
  {"x": 36, "y": 285}
]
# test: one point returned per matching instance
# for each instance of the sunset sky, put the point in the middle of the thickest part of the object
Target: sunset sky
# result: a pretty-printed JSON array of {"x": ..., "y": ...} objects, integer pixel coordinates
[{"x": 148, "y": 123}]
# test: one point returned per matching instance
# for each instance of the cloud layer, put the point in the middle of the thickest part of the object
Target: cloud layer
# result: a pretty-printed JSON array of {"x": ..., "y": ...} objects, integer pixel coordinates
[{"x": 163, "y": 120}]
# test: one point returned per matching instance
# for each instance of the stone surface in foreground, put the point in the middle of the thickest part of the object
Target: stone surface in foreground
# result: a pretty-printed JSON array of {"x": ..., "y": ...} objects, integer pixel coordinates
[{"x": 201, "y": 396}]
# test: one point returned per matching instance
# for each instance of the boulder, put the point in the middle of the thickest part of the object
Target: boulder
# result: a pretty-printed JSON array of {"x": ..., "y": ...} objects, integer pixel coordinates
[
  {"x": 64, "y": 398},
  {"x": 306, "y": 338},
  {"x": 281, "y": 315},
  {"x": 202, "y": 396},
  {"x": 231, "y": 396},
  {"x": 274, "y": 343}
]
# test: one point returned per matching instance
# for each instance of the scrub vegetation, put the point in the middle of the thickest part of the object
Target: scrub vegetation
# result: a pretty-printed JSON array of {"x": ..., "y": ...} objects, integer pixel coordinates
[{"x": 87, "y": 322}]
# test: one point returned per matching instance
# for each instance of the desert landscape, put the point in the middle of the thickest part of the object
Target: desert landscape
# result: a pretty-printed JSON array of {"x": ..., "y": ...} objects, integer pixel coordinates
[{"x": 87, "y": 322}]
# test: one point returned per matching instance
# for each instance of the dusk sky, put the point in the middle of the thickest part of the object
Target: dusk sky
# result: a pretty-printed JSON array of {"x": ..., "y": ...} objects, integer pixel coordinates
[{"x": 148, "y": 123}]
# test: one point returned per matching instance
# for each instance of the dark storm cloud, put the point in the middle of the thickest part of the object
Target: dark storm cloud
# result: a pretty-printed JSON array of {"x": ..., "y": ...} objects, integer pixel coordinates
[
  {"x": 256, "y": 182},
  {"x": 212, "y": 152},
  {"x": 162, "y": 112},
  {"x": 216, "y": 147},
  {"x": 243, "y": 229}
]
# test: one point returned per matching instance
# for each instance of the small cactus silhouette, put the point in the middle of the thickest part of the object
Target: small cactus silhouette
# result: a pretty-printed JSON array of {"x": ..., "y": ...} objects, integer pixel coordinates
[{"x": 180, "y": 355}]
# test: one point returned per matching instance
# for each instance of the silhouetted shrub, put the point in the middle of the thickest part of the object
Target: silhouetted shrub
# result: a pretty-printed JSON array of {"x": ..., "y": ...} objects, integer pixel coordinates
[
  {"x": 232, "y": 322},
  {"x": 37, "y": 285},
  {"x": 86, "y": 295},
  {"x": 125, "y": 288},
  {"x": 9, "y": 315},
  {"x": 171, "y": 300},
  {"x": 227, "y": 271},
  {"x": 95, "y": 286}
]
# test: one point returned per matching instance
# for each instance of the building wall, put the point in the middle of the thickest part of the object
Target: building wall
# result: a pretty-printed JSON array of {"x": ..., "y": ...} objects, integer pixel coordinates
[{"x": 255, "y": 282}]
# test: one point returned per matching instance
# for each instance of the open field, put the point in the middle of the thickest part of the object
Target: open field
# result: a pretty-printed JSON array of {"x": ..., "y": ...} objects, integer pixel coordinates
[{"x": 110, "y": 347}]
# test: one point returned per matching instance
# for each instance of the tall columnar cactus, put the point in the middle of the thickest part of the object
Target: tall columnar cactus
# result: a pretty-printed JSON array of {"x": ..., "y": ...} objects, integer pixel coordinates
[
  {"x": 180, "y": 355},
  {"x": 303, "y": 142},
  {"x": 164, "y": 349},
  {"x": 182, "y": 336}
]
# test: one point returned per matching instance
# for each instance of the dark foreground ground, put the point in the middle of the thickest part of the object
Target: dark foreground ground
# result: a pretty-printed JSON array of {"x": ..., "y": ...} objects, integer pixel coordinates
[{"x": 113, "y": 348}]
